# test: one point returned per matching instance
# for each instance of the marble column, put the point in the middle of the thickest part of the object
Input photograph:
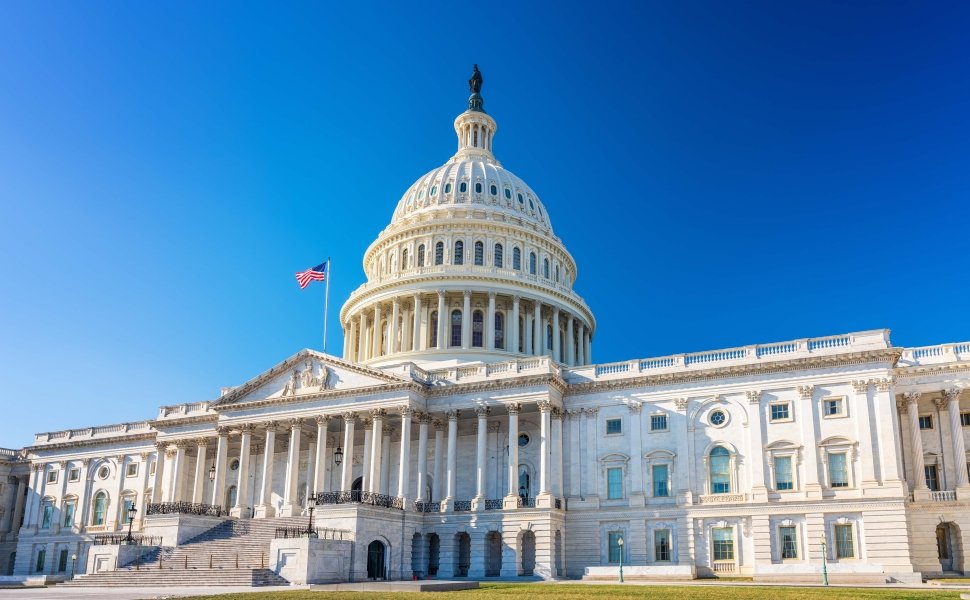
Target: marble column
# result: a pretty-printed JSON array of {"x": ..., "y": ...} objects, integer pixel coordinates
[
  {"x": 490, "y": 323},
  {"x": 222, "y": 454},
  {"x": 20, "y": 500},
  {"x": 544, "y": 498},
  {"x": 556, "y": 454},
  {"x": 376, "y": 340},
  {"x": 513, "y": 326},
  {"x": 362, "y": 339},
  {"x": 466, "y": 320},
  {"x": 198, "y": 487},
  {"x": 291, "y": 502},
  {"x": 178, "y": 476},
  {"x": 556, "y": 348},
  {"x": 376, "y": 441},
  {"x": 512, "y": 498},
  {"x": 157, "y": 484},
  {"x": 588, "y": 343},
  {"x": 952, "y": 398},
  {"x": 538, "y": 344},
  {"x": 911, "y": 402},
  {"x": 366, "y": 458},
  {"x": 242, "y": 508},
  {"x": 265, "y": 508},
  {"x": 438, "y": 482},
  {"x": 581, "y": 347},
  {"x": 478, "y": 502},
  {"x": 863, "y": 418},
  {"x": 570, "y": 341},
  {"x": 442, "y": 320},
  {"x": 320, "y": 466},
  {"x": 448, "y": 503},
  {"x": 416, "y": 337},
  {"x": 592, "y": 459},
  {"x": 574, "y": 445},
  {"x": 347, "y": 466},
  {"x": 385, "y": 487},
  {"x": 404, "y": 461},
  {"x": 756, "y": 463},
  {"x": 174, "y": 473},
  {"x": 392, "y": 331},
  {"x": 405, "y": 342},
  {"x": 421, "y": 493}
]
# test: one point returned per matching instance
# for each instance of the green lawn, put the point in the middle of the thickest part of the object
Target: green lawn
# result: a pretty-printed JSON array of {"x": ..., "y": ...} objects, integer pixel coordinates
[{"x": 530, "y": 591}]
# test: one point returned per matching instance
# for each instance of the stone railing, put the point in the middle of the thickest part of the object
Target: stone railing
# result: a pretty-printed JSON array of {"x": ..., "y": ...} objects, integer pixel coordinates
[
  {"x": 725, "y": 567},
  {"x": 118, "y": 429},
  {"x": 755, "y": 354},
  {"x": 511, "y": 368},
  {"x": 722, "y": 498},
  {"x": 934, "y": 355},
  {"x": 9, "y": 454},
  {"x": 184, "y": 410},
  {"x": 185, "y": 508}
]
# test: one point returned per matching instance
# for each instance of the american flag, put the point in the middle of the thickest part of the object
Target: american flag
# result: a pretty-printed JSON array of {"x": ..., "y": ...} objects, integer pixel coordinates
[{"x": 317, "y": 273}]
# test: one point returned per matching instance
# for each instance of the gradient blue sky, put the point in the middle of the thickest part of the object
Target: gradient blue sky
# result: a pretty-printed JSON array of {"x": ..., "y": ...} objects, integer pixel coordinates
[{"x": 724, "y": 173}]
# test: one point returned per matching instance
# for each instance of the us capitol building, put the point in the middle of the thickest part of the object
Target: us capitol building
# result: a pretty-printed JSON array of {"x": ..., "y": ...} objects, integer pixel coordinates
[{"x": 468, "y": 432}]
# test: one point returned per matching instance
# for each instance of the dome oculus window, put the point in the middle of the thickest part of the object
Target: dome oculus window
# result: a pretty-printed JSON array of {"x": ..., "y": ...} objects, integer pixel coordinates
[
  {"x": 717, "y": 418},
  {"x": 523, "y": 440},
  {"x": 103, "y": 473}
]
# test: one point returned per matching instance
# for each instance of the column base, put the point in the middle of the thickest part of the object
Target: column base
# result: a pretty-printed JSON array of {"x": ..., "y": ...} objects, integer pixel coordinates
[
  {"x": 510, "y": 502},
  {"x": 291, "y": 510},
  {"x": 545, "y": 500},
  {"x": 447, "y": 504},
  {"x": 963, "y": 492},
  {"x": 264, "y": 511},
  {"x": 243, "y": 512},
  {"x": 922, "y": 494},
  {"x": 478, "y": 505}
]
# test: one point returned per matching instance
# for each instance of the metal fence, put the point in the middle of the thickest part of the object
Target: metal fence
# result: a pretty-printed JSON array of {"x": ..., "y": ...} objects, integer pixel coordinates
[
  {"x": 122, "y": 540},
  {"x": 185, "y": 508},
  {"x": 359, "y": 497}
]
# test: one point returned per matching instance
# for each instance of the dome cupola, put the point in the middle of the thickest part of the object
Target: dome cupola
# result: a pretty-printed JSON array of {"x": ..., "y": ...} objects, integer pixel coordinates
[{"x": 469, "y": 269}]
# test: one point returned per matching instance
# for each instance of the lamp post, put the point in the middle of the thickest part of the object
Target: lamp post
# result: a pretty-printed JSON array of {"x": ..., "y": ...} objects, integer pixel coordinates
[
  {"x": 619, "y": 543},
  {"x": 338, "y": 456},
  {"x": 212, "y": 473},
  {"x": 131, "y": 519},
  {"x": 73, "y": 565},
  {"x": 825, "y": 569}
]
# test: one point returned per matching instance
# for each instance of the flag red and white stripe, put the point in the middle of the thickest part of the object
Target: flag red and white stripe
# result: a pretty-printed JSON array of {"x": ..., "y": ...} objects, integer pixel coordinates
[{"x": 317, "y": 273}]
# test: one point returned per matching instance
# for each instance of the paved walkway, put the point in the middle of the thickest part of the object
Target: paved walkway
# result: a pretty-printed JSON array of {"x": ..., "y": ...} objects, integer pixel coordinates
[{"x": 113, "y": 593}]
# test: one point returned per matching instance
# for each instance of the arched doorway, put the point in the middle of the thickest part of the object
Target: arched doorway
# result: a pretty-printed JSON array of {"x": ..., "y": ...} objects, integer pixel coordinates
[
  {"x": 434, "y": 554},
  {"x": 375, "y": 560},
  {"x": 948, "y": 547},
  {"x": 463, "y": 552},
  {"x": 528, "y": 553},
  {"x": 493, "y": 554},
  {"x": 355, "y": 489}
]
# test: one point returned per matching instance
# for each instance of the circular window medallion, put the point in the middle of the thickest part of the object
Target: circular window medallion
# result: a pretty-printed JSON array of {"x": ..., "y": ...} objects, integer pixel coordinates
[
  {"x": 234, "y": 465},
  {"x": 103, "y": 472},
  {"x": 523, "y": 440},
  {"x": 717, "y": 418}
]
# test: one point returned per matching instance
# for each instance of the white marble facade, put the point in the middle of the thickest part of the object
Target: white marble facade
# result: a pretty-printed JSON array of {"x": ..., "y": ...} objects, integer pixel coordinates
[{"x": 487, "y": 442}]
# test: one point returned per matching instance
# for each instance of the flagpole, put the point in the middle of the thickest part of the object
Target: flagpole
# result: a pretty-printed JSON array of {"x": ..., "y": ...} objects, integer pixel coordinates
[{"x": 326, "y": 305}]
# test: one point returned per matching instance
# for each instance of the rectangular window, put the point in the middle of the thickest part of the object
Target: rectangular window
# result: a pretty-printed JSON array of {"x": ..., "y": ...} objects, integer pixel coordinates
[
  {"x": 614, "y": 426},
  {"x": 52, "y": 477},
  {"x": 926, "y": 421},
  {"x": 62, "y": 561},
  {"x": 615, "y": 548},
  {"x": 658, "y": 422},
  {"x": 131, "y": 470},
  {"x": 723, "y": 543},
  {"x": 151, "y": 468},
  {"x": 48, "y": 515},
  {"x": 789, "y": 542},
  {"x": 41, "y": 559},
  {"x": 844, "y": 547},
  {"x": 833, "y": 407},
  {"x": 614, "y": 483},
  {"x": 69, "y": 509},
  {"x": 932, "y": 477},
  {"x": 661, "y": 545},
  {"x": 661, "y": 481},
  {"x": 838, "y": 470},
  {"x": 965, "y": 419},
  {"x": 783, "y": 474},
  {"x": 780, "y": 412},
  {"x": 74, "y": 474}
]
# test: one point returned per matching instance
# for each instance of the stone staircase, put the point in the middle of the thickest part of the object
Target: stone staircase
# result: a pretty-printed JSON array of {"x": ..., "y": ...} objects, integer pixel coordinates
[{"x": 233, "y": 553}]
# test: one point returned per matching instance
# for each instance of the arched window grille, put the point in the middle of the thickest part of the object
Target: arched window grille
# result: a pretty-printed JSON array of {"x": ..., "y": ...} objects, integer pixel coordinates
[
  {"x": 720, "y": 470},
  {"x": 456, "y": 327},
  {"x": 459, "y": 257},
  {"x": 434, "y": 329},
  {"x": 439, "y": 253},
  {"x": 532, "y": 263},
  {"x": 479, "y": 254},
  {"x": 545, "y": 268},
  {"x": 499, "y": 331},
  {"x": 516, "y": 259},
  {"x": 421, "y": 255},
  {"x": 478, "y": 329}
]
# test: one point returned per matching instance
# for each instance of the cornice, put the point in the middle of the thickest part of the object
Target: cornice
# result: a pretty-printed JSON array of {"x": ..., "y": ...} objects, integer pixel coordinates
[
  {"x": 549, "y": 379},
  {"x": 175, "y": 422},
  {"x": 941, "y": 369},
  {"x": 781, "y": 366},
  {"x": 403, "y": 386}
]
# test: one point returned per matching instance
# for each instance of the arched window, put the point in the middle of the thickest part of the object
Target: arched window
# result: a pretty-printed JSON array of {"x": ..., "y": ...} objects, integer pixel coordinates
[
  {"x": 508, "y": 194},
  {"x": 448, "y": 188},
  {"x": 463, "y": 187},
  {"x": 434, "y": 190},
  {"x": 493, "y": 190},
  {"x": 720, "y": 467},
  {"x": 516, "y": 259},
  {"x": 557, "y": 273},
  {"x": 520, "y": 199},
  {"x": 499, "y": 331},
  {"x": 478, "y": 329},
  {"x": 456, "y": 327},
  {"x": 434, "y": 329},
  {"x": 545, "y": 268},
  {"x": 404, "y": 259},
  {"x": 478, "y": 187},
  {"x": 439, "y": 253},
  {"x": 459, "y": 257},
  {"x": 532, "y": 263},
  {"x": 479, "y": 254},
  {"x": 100, "y": 508},
  {"x": 548, "y": 337},
  {"x": 421, "y": 255},
  {"x": 498, "y": 255},
  {"x": 231, "y": 496}
]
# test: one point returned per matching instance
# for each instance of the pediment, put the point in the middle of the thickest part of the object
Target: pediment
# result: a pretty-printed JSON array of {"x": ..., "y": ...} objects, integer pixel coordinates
[{"x": 307, "y": 373}]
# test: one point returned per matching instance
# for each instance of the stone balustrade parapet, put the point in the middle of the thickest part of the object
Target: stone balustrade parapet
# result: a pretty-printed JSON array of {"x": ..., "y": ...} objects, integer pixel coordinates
[
  {"x": 755, "y": 354},
  {"x": 102, "y": 431},
  {"x": 535, "y": 365},
  {"x": 934, "y": 355},
  {"x": 178, "y": 411}
]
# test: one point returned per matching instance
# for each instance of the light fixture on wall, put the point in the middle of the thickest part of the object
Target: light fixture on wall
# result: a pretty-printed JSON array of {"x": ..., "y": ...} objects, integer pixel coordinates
[
  {"x": 338, "y": 456},
  {"x": 212, "y": 473}
]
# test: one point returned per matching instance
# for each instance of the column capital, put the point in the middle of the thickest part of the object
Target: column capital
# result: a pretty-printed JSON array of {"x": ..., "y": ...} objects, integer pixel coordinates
[
  {"x": 441, "y": 293},
  {"x": 387, "y": 430},
  {"x": 911, "y": 398},
  {"x": 295, "y": 423},
  {"x": 247, "y": 428},
  {"x": 754, "y": 396},
  {"x": 179, "y": 444},
  {"x": 406, "y": 411},
  {"x": 453, "y": 415},
  {"x": 805, "y": 392},
  {"x": 557, "y": 413},
  {"x": 222, "y": 430},
  {"x": 483, "y": 411},
  {"x": 573, "y": 414},
  {"x": 349, "y": 417},
  {"x": 202, "y": 442},
  {"x": 160, "y": 446},
  {"x": 883, "y": 385},
  {"x": 367, "y": 423},
  {"x": 491, "y": 295},
  {"x": 591, "y": 412},
  {"x": 951, "y": 394},
  {"x": 378, "y": 413},
  {"x": 422, "y": 417},
  {"x": 438, "y": 425},
  {"x": 144, "y": 456},
  {"x": 544, "y": 406},
  {"x": 171, "y": 452},
  {"x": 270, "y": 425},
  {"x": 515, "y": 299},
  {"x": 681, "y": 404},
  {"x": 861, "y": 386},
  {"x": 514, "y": 408},
  {"x": 323, "y": 419},
  {"x": 940, "y": 403},
  {"x": 635, "y": 407},
  {"x": 467, "y": 294},
  {"x": 396, "y": 302}
]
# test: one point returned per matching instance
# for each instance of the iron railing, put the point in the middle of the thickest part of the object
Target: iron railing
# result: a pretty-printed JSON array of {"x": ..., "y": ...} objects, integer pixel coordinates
[
  {"x": 324, "y": 533},
  {"x": 122, "y": 540},
  {"x": 359, "y": 497},
  {"x": 527, "y": 502},
  {"x": 463, "y": 505},
  {"x": 427, "y": 507},
  {"x": 494, "y": 504},
  {"x": 185, "y": 508}
]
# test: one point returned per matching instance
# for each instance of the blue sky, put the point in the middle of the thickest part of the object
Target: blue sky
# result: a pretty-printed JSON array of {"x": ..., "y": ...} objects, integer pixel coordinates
[{"x": 723, "y": 173}]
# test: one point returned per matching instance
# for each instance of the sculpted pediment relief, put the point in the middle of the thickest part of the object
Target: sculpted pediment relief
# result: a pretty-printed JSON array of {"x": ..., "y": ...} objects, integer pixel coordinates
[{"x": 303, "y": 374}]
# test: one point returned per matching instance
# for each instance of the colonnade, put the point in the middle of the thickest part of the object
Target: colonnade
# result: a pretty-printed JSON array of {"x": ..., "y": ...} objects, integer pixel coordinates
[
  {"x": 517, "y": 325},
  {"x": 948, "y": 401}
]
